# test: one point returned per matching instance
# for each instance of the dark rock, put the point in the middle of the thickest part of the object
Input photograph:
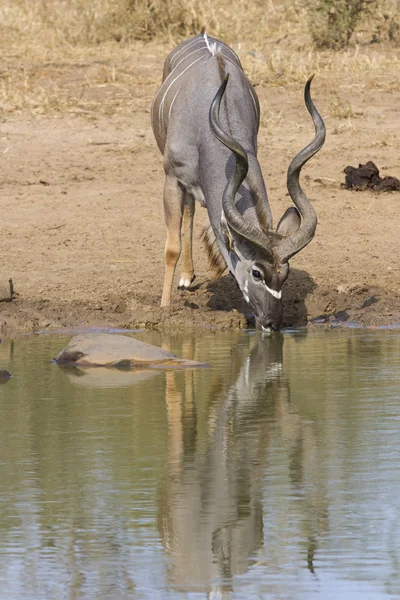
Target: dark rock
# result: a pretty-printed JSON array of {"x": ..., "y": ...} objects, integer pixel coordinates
[
  {"x": 341, "y": 316},
  {"x": 389, "y": 184},
  {"x": 320, "y": 319},
  {"x": 363, "y": 176},
  {"x": 367, "y": 176},
  {"x": 369, "y": 301}
]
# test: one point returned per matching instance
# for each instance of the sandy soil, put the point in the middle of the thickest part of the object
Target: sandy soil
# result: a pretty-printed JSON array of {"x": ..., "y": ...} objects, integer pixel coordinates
[{"x": 82, "y": 228}]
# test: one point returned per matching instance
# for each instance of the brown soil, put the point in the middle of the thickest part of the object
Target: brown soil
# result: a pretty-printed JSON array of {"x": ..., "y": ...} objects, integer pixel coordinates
[{"x": 82, "y": 229}]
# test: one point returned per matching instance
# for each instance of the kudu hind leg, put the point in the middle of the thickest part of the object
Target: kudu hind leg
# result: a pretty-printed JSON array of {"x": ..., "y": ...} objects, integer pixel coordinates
[
  {"x": 173, "y": 210},
  {"x": 187, "y": 276}
]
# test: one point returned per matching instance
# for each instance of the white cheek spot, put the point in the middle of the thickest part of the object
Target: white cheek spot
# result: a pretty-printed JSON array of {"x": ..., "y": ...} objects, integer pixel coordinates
[
  {"x": 246, "y": 291},
  {"x": 273, "y": 293}
]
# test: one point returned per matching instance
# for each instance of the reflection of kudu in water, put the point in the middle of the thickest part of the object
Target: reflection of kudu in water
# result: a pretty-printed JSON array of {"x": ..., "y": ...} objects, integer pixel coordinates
[
  {"x": 210, "y": 509},
  {"x": 210, "y": 514}
]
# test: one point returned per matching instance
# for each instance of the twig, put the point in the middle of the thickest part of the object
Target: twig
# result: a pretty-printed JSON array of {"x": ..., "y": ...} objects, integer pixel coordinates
[{"x": 56, "y": 227}]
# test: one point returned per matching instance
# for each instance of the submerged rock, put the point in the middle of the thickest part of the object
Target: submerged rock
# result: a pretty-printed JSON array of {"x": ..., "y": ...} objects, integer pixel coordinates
[
  {"x": 4, "y": 376},
  {"x": 118, "y": 351}
]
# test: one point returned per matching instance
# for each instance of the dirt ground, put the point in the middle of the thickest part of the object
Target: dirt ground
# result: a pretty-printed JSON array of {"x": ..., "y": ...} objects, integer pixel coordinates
[{"x": 82, "y": 229}]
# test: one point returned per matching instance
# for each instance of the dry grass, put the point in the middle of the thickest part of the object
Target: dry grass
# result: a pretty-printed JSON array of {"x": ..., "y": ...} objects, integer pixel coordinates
[
  {"x": 385, "y": 22},
  {"x": 286, "y": 65},
  {"x": 332, "y": 22},
  {"x": 89, "y": 56},
  {"x": 51, "y": 23},
  {"x": 94, "y": 86},
  {"x": 340, "y": 109},
  {"x": 86, "y": 22}
]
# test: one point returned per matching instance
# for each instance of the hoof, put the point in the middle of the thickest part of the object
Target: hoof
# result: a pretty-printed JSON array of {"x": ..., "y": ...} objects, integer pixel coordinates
[{"x": 184, "y": 284}]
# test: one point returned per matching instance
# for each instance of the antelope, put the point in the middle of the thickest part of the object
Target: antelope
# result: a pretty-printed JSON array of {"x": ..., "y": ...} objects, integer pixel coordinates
[{"x": 205, "y": 118}]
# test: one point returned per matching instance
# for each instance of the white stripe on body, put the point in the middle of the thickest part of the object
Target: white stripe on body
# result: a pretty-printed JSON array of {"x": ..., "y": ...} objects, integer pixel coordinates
[
  {"x": 205, "y": 47},
  {"x": 225, "y": 47},
  {"x": 169, "y": 75},
  {"x": 185, "y": 57},
  {"x": 192, "y": 43},
  {"x": 161, "y": 107},
  {"x": 255, "y": 105},
  {"x": 173, "y": 100}
]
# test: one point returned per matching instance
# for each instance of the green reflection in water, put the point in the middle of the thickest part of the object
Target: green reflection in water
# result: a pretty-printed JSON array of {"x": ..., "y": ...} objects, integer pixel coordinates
[{"x": 274, "y": 473}]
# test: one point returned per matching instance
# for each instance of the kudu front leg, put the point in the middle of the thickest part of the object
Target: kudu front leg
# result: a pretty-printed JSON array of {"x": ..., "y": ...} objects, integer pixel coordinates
[
  {"x": 187, "y": 275},
  {"x": 173, "y": 211}
]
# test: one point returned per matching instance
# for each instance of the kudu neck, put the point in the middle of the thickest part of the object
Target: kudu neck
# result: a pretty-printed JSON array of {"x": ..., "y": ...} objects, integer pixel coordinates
[{"x": 217, "y": 165}]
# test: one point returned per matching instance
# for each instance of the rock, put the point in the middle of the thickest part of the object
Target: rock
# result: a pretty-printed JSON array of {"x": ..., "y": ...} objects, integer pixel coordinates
[
  {"x": 342, "y": 316},
  {"x": 362, "y": 176},
  {"x": 369, "y": 302},
  {"x": 118, "y": 351},
  {"x": 320, "y": 319},
  {"x": 388, "y": 184},
  {"x": 367, "y": 176},
  {"x": 338, "y": 317},
  {"x": 4, "y": 376}
]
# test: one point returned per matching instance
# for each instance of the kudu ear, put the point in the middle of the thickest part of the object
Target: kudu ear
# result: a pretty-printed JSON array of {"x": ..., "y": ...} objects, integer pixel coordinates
[{"x": 289, "y": 223}]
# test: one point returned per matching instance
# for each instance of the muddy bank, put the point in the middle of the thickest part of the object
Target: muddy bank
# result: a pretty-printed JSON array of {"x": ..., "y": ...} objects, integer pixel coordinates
[{"x": 204, "y": 308}]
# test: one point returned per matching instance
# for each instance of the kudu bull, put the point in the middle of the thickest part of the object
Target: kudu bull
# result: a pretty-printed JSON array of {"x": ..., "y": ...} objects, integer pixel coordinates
[{"x": 226, "y": 177}]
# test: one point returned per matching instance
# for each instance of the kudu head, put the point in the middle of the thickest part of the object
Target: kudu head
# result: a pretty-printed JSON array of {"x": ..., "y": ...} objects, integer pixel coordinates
[{"x": 259, "y": 256}]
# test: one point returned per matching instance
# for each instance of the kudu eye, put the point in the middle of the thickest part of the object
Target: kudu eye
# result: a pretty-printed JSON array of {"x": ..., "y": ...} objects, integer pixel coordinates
[{"x": 256, "y": 274}]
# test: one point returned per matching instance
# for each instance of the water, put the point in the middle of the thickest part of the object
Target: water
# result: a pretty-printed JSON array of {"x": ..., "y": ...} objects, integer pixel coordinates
[{"x": 275, "y": 473}]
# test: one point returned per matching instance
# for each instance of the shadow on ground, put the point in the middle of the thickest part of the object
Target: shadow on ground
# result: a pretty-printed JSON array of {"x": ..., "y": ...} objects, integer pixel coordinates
[{"x": 226, "y": 296}]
